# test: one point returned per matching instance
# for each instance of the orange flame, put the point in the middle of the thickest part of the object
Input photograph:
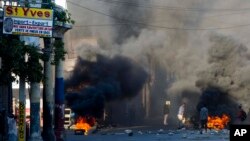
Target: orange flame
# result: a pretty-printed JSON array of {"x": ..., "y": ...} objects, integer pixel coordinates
[
  {"x": 218, "y": 123},
  {"x": 85, "y": 124}
]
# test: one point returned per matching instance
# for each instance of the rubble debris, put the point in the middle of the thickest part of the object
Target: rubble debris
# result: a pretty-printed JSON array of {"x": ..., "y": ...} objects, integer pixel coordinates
[
  {"x": 171, "y": 133},
  {"x": 160, "y": 131},
  {"x": 140, "y": 132},
  {"x": 149, "y": 132},
  {"x": 119, "y": 133},
  {"x": 184, "y": 135},
  {"x": 129, "y": 132}
]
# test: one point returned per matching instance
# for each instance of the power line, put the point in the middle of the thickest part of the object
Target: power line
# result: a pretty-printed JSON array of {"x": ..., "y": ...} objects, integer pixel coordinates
[
  {"x": 132, "y": 4},
  {"x": 234, "y": 11},
  {"x": 129, "y": 22},
  {"x": 163, "y": 27},
  {"x": 115, "y": 24}
]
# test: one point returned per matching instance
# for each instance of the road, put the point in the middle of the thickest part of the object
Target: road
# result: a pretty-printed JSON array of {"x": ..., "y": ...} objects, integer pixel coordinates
[{"x": 150, "y": 135}]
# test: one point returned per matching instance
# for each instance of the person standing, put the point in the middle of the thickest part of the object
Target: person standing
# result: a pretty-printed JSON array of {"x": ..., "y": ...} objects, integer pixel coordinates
[
  {"x": 166, "y": 112},
  {"x": 72, "y": 119},
  {"x": 181, "y": 114},
  {"x": 203, "y": 118},
  {"x": 241, "y": 115}
]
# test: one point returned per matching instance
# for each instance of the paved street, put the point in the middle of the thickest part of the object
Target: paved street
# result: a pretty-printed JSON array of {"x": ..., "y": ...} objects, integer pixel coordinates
[{"x": 154, "y": 135}]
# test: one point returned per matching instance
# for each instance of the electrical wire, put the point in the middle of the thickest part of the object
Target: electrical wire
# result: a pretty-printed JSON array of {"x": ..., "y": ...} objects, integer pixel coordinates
[
  {"x": 130, "y": 22},
  {"x": 115, "y": 24},
  {"x": 132, "y": 4}
]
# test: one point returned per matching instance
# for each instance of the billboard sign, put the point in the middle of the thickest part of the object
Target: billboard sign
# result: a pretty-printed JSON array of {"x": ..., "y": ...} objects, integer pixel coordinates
[{"x": 28, "y": 21}]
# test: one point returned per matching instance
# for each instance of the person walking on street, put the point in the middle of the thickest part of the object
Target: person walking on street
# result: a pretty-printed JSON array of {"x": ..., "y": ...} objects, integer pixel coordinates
[
  {"x": 181, "y": 115},
  {"x": 203, "y": 118},
  {"x": 166, "y": 112}
]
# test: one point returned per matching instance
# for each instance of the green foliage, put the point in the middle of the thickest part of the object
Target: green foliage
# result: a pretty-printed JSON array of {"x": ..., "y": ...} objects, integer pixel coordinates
[
  {"x": 45, "y": 57},
  {"x": 12, "y": 52},
  {"x": 63, "y": 16},
  {"x": 59, "y": 15},
  {"x": 59, "y": 51},
  {"x": 35, "y": 68}
]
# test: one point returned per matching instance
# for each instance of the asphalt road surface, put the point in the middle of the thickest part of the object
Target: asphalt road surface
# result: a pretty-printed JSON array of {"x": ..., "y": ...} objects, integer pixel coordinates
[{"x": 122, "y": 134}]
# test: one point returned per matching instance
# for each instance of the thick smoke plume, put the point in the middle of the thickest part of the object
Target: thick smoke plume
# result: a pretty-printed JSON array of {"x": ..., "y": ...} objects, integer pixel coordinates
[
  {"x": 128, "y": 12},
  {"x": 228, "y": 64},
  {"x": 103, "y": 80},
  {"x": 194, "y": 50}
]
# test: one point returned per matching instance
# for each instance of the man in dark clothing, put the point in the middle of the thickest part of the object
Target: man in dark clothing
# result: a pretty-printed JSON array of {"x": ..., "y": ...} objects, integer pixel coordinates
[
  {"x": 203, "y": 118},
  {"x": 166, "y": 112},
  {"x": 241, "y": 114}
]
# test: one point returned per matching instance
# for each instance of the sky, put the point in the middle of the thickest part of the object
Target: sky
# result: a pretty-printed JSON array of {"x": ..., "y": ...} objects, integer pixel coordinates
[{"x": 61, "y": 3}]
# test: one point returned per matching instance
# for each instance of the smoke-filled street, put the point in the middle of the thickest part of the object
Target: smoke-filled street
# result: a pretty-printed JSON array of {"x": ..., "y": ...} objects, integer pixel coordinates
[
  {"x": 145, "y": 53},
  {"x": 125, "y": 70}
]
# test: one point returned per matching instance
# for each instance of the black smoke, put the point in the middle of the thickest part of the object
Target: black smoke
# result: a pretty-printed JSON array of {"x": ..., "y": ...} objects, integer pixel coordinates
[
  {"x": 130, "y": 13},
  {"x": 218, "y": 102},
  {"x": 105, "y": 79}
]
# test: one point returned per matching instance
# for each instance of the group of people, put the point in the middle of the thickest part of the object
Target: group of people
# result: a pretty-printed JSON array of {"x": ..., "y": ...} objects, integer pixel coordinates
[
  {"x": 180, "y": 115},
  {"x": 203, "y": 115}
]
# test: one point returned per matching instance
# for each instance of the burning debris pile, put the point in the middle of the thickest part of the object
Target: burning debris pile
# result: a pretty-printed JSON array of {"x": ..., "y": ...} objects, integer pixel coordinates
[
  {"x": 218, "y": 123},
  {"x": 218, "y": 103},
  {"x": 103, "y": 80},
  {"x": 84, "y": 124}
]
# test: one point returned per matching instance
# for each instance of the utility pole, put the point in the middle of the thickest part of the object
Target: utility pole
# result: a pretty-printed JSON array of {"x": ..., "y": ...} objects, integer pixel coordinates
[
  {"x": 59, "y": 100},
  {"x": 35, "y": 95},
  {"x": 22, "y": 109},
  {"x": 58, "y": 33},
  {"x": 35, "y": 133},
  {"x": 48, "y": 96}
]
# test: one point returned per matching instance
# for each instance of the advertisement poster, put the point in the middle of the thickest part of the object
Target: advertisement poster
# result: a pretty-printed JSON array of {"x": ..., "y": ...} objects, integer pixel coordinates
[{"x": 28, "y": 21}]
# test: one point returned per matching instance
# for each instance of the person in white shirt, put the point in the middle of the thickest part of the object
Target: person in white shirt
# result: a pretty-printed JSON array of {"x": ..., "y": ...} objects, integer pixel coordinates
[{"x": 181, "y": 114}]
